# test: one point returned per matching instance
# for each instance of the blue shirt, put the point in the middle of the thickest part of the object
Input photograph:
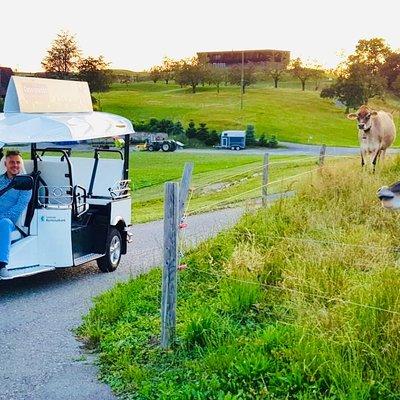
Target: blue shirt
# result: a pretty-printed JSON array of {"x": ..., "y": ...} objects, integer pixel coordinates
[{"x": 13, "y": 202}]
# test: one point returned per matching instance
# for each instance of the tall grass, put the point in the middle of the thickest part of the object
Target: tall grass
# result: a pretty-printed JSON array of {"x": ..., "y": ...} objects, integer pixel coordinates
[{"x": 298, "y": 301}]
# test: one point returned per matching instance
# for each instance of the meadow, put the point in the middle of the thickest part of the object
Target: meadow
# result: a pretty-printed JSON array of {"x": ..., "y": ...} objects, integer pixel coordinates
[
  {"x": 287, "y": 112},
  {"x": 299, "y": 300},
  {"x": 218, "y": 179}
]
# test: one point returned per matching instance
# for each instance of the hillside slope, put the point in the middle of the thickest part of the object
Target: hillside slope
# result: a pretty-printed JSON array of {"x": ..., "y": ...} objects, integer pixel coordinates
[{"x": 288, "y": 113}]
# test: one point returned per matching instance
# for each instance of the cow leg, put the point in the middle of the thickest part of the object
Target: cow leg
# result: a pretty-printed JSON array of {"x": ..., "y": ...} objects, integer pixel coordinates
[
  {"x": 382, "y": 156},
  {"x": 375, "y": 159},
  {"x": 362, "y": 159}
]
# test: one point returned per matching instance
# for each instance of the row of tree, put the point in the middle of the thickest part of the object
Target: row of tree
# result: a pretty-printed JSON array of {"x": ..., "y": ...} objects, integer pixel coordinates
[
  {"x": 370, "y": 71},
  {"x": 195, "y": 71}
]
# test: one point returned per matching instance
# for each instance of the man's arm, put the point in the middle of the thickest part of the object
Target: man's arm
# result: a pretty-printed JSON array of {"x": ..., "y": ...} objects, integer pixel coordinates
[{"x": 14, "y": 212}]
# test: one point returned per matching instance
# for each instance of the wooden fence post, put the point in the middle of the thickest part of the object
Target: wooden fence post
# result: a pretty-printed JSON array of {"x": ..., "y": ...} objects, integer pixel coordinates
[
  {"x": 184, "y": 188},
  {"x": 322, "y": 155},
  {"x": 264, "y": 189},
  {"x": 169, "y": 280}
]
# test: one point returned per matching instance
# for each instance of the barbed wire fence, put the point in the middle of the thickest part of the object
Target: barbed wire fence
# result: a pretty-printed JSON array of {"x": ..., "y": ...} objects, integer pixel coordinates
[{"x": 177, "y": 211}]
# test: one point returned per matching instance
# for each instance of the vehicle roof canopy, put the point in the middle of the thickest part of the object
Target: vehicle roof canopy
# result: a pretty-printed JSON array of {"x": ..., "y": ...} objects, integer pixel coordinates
[{"x": 40, "y": 110}]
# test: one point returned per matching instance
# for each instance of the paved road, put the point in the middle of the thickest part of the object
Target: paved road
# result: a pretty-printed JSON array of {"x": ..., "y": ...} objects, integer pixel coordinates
[
  {"x": 39, "y": 356},
  {"x": 289, "y": 149}
]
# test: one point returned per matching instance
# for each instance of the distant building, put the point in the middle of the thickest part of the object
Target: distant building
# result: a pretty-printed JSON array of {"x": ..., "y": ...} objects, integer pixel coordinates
[
  {"x": 5, "y": 75},
  {"x": 272, "y": 58}
]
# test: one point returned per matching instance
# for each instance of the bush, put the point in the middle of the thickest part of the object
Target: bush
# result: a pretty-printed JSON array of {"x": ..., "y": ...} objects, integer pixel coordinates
[
  {"x": 202, "y": 132},
  {"x": 250, "y": 135},
  {"x": 212, "y": 139},
  {"x": 191, "y": 131},
  {"x": 270, "y": 142}
]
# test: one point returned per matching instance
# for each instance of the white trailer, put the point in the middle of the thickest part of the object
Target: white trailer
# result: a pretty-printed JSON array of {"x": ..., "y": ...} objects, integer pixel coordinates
[{"x": 81, "y": 207}]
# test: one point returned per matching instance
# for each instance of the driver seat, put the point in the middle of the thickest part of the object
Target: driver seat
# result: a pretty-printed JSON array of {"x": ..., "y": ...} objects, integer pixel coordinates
[{"x": 21, "y": 230}]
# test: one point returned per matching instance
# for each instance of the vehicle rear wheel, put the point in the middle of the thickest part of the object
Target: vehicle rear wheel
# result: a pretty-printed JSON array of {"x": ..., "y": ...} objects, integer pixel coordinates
[
  {"x": 237, "y": 148},
  {"x": 232, "y": 147},
  {"x": 111, "y": 259},
  {"x": 165, "y": 146}
]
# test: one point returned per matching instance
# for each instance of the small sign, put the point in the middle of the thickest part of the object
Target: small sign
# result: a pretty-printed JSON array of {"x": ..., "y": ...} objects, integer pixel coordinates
[{"x": 38, "y": 95}]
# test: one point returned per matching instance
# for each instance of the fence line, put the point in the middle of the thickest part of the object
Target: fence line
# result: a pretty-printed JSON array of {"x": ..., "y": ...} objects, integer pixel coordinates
[
  {"x": 283, "y": 289},
  {"x": 260, "y": 167},
  {"x": 251, "y": 190}
]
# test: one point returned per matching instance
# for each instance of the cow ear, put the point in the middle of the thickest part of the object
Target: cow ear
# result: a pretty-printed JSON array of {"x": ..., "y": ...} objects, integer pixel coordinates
[
  {"x": 374, "y": 113},
  {"x": 352, "y": 116}
]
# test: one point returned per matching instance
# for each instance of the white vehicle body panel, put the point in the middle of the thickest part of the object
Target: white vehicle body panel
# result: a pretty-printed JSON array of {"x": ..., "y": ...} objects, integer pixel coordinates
[
  {"x": 54, "y": 232},
  {"x": 121, "y": 211}
]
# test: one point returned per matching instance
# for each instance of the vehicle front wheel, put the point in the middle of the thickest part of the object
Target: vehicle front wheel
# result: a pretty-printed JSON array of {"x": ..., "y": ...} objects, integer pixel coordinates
[
  {"x": 111, "y": 259},
  {"x": 150, "y": 148}
]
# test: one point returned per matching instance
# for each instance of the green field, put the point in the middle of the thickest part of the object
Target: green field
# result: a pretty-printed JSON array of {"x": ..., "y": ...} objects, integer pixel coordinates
[
  {"x": 298, "y": 301},
  {"x": 288, "y": 113},
  {"x": 218, "y": 179}
]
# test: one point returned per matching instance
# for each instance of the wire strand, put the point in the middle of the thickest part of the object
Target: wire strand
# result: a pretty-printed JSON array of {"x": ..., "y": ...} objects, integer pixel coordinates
[
  {"x": 252, "y": 190},
  {"x": 329, "y": 299}
]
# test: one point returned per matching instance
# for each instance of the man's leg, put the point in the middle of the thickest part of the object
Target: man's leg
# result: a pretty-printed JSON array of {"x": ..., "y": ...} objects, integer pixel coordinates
[{"x": 6, "y": 227}]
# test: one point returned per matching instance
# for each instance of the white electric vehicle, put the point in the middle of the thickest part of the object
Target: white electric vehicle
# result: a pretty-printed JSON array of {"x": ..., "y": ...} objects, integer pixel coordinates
[{"x": 80, "y": 208}]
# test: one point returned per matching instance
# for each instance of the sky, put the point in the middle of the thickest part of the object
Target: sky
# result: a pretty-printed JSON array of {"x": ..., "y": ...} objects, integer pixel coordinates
[{"x": 136, "y": 35}]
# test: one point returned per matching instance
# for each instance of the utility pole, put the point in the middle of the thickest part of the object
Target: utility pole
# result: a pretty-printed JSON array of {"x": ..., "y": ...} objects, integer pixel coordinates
[{"x": 242, "y": 83}]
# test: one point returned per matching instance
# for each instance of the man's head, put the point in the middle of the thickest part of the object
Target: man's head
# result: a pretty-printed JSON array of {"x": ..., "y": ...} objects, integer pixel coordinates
[{"x": 13, "y": 163}]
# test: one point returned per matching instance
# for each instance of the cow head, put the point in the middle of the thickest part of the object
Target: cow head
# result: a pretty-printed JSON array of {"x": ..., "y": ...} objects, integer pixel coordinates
[
  {"x": 363, "y": 117},
  {"x": 390, "y": 196}
]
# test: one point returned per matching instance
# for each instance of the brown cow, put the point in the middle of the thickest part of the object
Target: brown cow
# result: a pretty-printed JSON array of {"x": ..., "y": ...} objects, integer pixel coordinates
[{"x": 376, "y": 132}]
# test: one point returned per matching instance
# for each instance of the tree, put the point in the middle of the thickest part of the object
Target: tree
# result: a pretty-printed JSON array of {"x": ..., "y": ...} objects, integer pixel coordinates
[
  {"x": 155, "y": 73},
  {"x": 62, "y": 57},
  {"x": 390, "y": 69},
  {"x": 250, "y": 135},
  {"x": 235, "y": 75},
  {"x": 202, "y": 131},
  {"x": 371, "y": 54},
  {"x": 94, "y": 72},
  {"x": 167, "y": 69},
  {"x": 216, "y": 75},
  {"x": 350, "y": 93},
  {"x": 299, "y": 70},
  {"x": 191, "y": 130},
  {"x": 276, "y": 75},
  {"x": 190, "y": 72}
]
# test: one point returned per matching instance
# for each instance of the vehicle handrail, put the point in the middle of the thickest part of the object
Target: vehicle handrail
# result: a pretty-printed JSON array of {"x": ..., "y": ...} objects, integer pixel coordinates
[
  {"x": 120, "y": 190},
  {"x": 97, "y": 151},
  {"x": 66, "y": 153}
]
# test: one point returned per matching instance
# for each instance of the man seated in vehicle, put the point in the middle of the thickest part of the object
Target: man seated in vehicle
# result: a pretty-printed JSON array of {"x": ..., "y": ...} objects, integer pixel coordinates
[{"x": 12, "y": 204}]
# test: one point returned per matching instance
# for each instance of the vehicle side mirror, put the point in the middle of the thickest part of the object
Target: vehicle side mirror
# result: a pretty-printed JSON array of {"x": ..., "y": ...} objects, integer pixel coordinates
[{"x": 22, "y": 182}]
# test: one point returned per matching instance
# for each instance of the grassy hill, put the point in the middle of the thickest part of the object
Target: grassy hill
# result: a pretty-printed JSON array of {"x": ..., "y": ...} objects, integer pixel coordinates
[
  {"x": 288, "y": 113},
  {"x": 298, "y": 301}
]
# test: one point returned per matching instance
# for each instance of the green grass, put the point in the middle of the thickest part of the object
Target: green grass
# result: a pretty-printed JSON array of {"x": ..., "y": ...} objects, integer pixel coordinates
[
  {"x": 287, "y": 112},
  {"x": 218, "y": 179},
  {"x": 289, "y": 304}
]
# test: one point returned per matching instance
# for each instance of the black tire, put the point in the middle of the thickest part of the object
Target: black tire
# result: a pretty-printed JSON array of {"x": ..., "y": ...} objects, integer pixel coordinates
[
  {"x": 150, "y": 148},
  {"x": 111, "y": 259},
  {"x": 165, "y": 147},
  {"x": 174, "y": 146},
  {"x": 237, "y": 148},
  {"x": 232, "y": 147}
]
